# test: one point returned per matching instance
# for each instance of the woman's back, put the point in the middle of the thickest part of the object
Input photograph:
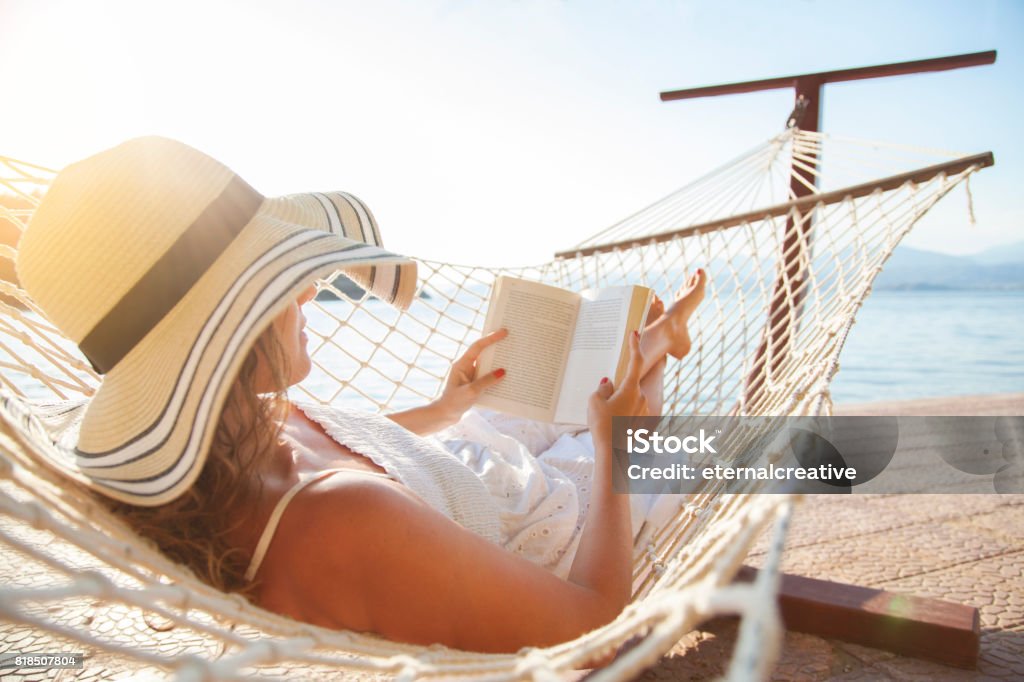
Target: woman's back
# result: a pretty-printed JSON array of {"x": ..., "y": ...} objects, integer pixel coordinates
[{"x": 364, "y": 553}]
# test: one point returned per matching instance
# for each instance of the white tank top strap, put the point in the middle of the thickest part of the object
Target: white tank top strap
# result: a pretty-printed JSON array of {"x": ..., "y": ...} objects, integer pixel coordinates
[{"x": 275, "y": 517}]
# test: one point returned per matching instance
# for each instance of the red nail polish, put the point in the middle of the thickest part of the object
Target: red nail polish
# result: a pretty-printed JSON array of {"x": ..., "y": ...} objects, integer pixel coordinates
[
  {"x": 636, "y": 333},
  {"x": 499, "y": 373},
  {"x": 604, "y": 380}
]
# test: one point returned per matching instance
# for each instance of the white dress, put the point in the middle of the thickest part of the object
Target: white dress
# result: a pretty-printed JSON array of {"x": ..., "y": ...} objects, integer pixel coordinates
[{"x": 523, "y": 484}]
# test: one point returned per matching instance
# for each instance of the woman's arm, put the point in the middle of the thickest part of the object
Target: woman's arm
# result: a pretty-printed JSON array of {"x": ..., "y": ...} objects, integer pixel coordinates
[
  {"x": 425, "y": 420},
  {"x": 605, "y": 555},
  {"x": 462, "y": 389}
]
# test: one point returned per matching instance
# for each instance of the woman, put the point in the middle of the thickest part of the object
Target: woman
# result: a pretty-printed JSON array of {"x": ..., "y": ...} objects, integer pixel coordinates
[{"x": 187, "y": 296}]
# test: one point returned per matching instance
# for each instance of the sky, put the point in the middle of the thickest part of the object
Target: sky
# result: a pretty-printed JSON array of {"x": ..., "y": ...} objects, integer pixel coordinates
[{"x": 497, "y": 133}]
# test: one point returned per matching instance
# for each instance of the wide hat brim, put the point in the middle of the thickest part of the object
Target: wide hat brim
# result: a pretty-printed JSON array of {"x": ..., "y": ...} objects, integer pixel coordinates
[{"x": 146, "y": 432}]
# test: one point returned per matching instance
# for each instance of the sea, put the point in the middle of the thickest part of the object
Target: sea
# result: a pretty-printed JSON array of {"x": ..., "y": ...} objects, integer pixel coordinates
[
  {"x": 906, "y": 344},
  {"x": 909, "y": 344}
]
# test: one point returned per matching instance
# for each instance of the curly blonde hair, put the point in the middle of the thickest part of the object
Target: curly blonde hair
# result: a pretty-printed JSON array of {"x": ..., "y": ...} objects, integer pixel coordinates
[{"x": 194, "y": 528}]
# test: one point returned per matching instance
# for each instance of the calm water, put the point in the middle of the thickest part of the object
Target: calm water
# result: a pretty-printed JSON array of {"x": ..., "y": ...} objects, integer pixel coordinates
[
  {"x": 919, "y": 344},
  {"x": 905, "y": 345}
]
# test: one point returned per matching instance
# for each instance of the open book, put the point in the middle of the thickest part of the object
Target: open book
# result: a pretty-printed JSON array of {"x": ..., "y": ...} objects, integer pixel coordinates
[{"x": 559, "y": 345}]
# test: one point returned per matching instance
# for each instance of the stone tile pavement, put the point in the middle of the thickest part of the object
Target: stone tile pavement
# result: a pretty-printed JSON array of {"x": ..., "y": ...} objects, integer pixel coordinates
[
  {"x": 962, "y": 548},
  {"x": 965, "y": 548}
]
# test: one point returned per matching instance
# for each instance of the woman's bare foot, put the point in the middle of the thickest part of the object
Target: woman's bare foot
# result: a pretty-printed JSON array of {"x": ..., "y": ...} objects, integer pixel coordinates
[
  {"x": 667, "y": 333},
  {"x": 678, "y": 315}
]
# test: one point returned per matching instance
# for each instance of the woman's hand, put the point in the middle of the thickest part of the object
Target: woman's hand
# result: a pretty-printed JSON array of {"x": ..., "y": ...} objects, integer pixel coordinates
[
  {"x": 461, "y": 390},
  {"x": 617, "y": 401},
  {"x": 463, "y": 387}
]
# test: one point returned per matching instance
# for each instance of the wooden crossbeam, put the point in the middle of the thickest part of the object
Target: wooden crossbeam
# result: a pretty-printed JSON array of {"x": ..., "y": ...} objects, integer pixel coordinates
[{"x": 881, "y": 71}]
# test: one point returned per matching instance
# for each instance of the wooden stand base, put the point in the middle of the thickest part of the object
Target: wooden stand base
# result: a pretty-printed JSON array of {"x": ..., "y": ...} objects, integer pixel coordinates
[{"x": 938, "y": 630}]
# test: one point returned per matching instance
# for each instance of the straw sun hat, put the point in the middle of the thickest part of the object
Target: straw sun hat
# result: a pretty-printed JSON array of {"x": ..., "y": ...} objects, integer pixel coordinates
[{"x": 164, "y": 267}]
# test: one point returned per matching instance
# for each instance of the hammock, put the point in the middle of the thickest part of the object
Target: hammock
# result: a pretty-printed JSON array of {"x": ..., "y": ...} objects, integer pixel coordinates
[{"x": 787, "y": 276}]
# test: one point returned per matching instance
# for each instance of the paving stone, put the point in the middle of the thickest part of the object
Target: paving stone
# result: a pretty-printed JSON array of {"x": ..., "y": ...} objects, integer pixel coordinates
[
  {"x": 832, "y": 518},
  {"x": 805, "y": 657},
  {"x": 907, "y": 551},
  {"x": 1004, "y": 522},
  {"x": 865, "y": 655},
  {"x": 700, "y": 655}
]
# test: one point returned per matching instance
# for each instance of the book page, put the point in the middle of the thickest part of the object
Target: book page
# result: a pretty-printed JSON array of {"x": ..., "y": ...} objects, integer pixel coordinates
[
  {"x": 540, "y": 321},
  {"x": 596, "y": 346},
  {"x": 639, "y": 306}
]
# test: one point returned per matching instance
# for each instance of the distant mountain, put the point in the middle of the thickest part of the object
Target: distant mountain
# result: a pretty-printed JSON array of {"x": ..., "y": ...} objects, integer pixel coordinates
[
  {"x": 1001, "y": 267},
  {"x": 350, "y": 289},
  {"x": 1000, "y": 255}
]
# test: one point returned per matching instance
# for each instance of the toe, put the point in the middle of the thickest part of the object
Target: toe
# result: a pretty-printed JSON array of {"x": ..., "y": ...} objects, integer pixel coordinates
[
  {"x": 657, "y": 308},
  {"x": 697, "y": 279}
]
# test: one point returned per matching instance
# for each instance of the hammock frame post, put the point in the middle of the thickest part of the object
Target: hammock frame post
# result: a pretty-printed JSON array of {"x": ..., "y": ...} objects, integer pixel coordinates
[
  {"x": 933, "y": 629},
  {"x": 788, "y": 291}
]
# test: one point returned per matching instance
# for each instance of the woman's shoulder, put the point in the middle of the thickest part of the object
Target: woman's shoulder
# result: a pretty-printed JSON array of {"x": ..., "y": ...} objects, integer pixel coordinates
[
  {"x": 319, "y": 553},
  {"x": 343, "y": 503}
]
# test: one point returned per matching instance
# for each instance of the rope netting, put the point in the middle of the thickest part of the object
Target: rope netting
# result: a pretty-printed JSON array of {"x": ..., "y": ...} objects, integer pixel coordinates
[{"x": 784, "y": 286}]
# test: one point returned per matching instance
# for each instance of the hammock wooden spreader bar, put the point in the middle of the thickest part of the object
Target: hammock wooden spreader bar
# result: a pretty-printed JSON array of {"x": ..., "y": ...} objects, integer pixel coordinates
[{"x": 982, "y": 160}]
